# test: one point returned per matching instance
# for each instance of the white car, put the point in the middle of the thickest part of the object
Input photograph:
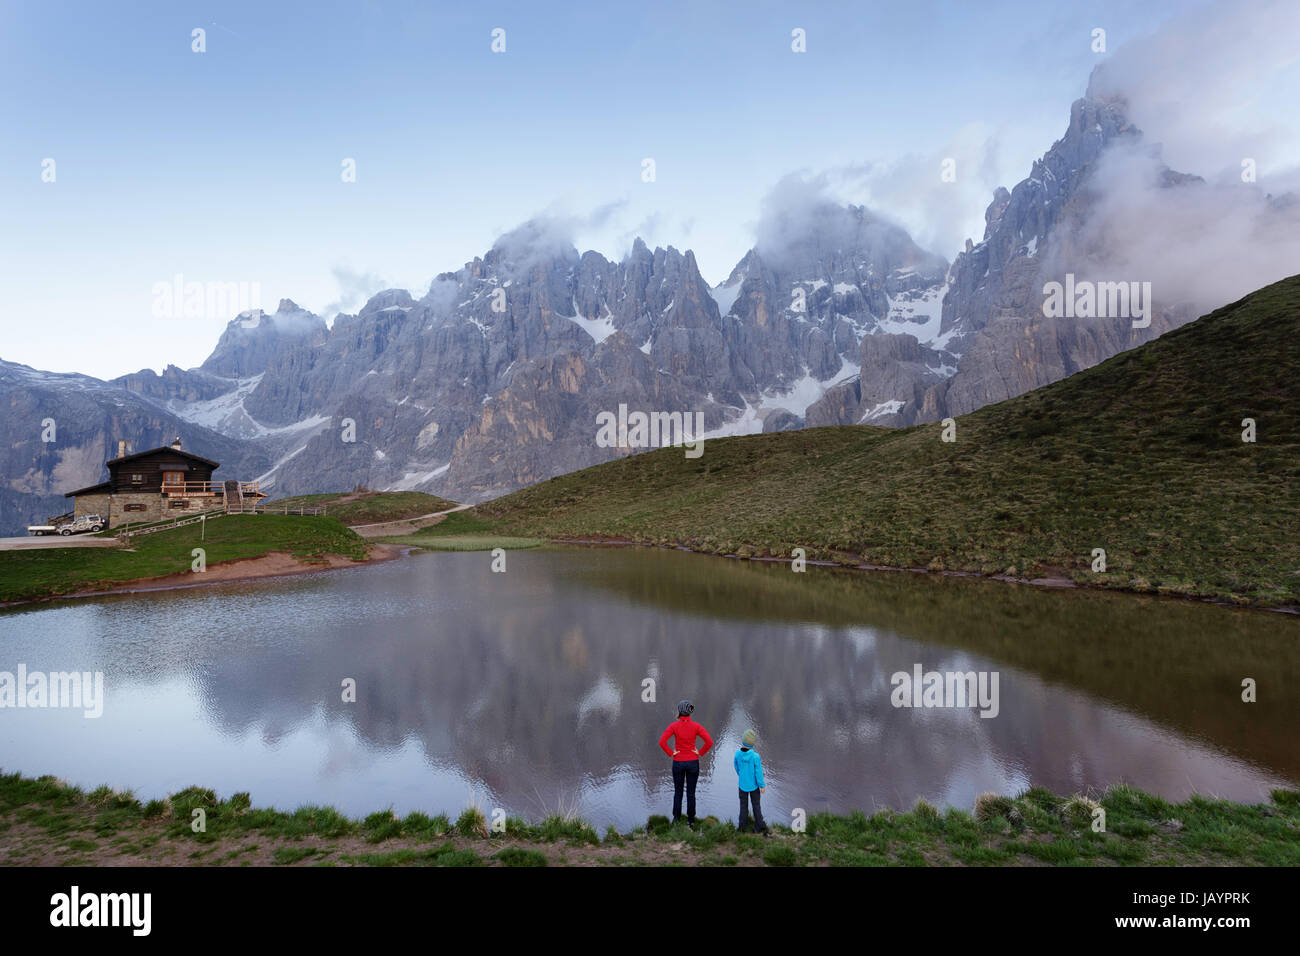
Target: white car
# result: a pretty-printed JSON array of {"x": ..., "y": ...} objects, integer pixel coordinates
[{"x": 91, "y": 523}]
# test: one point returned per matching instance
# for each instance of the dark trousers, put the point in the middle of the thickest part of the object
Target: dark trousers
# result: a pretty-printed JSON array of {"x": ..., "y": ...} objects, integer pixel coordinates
[
  {"x": 756, "y": 798},
  {"x": 686, "y": 773}
]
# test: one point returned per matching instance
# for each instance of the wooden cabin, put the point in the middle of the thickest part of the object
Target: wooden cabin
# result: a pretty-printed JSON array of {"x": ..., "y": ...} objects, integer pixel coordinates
[{"x": 158, "y": 484}]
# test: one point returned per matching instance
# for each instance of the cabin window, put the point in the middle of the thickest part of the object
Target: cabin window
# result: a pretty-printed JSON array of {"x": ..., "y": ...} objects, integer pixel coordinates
[
  {"x": 134, "y": 506},
  {"x": 180, "y": 503},
  {"x": 173, "y": 477},
  {"x": 137, "y": 479}
]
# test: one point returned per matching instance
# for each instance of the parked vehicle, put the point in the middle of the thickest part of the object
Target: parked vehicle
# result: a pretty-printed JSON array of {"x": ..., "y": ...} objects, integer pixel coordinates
[
  {"x": 52, "y": 524},
  {"x": 91, "y": 523}
]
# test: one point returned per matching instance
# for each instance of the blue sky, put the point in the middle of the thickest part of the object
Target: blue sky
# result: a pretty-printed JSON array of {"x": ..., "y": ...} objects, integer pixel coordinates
[{"x": 224, "y": 166}]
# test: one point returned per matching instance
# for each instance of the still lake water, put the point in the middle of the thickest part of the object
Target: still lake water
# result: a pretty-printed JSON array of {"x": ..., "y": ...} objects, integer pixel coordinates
[{"x": 523, "y": 690}]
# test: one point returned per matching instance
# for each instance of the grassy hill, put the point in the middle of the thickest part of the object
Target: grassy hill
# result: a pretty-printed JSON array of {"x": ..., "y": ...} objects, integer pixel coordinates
[
  {"x": 368, "y": 507},
  {"x": 48, "y": 572},
  {"x": 1141, "y": 456}
]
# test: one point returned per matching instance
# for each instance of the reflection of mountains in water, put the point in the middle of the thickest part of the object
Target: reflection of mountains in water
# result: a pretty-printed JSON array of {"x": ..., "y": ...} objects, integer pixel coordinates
[
  {"x": 537, "y": 684},
  {"x": 1175, "y": 662}
]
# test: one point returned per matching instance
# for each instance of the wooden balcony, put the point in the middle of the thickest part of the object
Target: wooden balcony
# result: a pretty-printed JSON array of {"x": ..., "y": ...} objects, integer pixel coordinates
[{"x": 205, "y": 489}]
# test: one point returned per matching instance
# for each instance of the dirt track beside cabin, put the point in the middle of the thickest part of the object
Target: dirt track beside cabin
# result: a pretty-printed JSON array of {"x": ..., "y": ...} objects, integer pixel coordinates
[{"x": 33, "y": 542}]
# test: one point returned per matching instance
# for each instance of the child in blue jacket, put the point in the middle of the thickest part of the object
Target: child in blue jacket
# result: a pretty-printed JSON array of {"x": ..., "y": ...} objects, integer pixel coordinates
[{"x": 749, "y": 768}]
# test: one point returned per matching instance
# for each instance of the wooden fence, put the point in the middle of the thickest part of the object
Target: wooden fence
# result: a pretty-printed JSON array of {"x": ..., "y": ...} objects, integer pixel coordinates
[
  {"x": 248, "y": 508},
  {"x": 125, "y": 532},
  {"x": 271, "y": 509}
]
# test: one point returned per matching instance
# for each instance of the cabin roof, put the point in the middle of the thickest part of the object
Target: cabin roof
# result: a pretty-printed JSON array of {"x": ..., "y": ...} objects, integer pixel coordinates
[
  {"x": 163, "y": 448},
  {"x": 103, "y": 486}
]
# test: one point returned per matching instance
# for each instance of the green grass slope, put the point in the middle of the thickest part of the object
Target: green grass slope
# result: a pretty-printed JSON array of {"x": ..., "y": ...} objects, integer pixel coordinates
[
  {"x": 48, "y": 823},
  {"x": 368, "y": 507},
  {"x": 47, "y": 572},
  {"x": 1141, "y": 456}
]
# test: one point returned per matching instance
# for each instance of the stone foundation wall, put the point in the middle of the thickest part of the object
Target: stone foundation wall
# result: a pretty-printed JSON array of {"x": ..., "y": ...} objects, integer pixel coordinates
[
  {"x": 92, "y": 505},
  {"x": 155, "y": 509}
]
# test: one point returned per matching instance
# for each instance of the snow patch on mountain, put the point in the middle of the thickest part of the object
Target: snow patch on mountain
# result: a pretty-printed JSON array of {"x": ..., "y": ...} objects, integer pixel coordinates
[
  {"x": 38, "y": 378},
  {"x": 803, "y": 392},
  {"x": 412, "y": 480},
  {"x": 266, "y": 481},
  {"x": 226, "y": 414},
  {"x": 881, "y": 410},
  {"x": 748, "y": 422},
  {"x": 599, "y": 329},
  {"x": 916, "y": 313}
]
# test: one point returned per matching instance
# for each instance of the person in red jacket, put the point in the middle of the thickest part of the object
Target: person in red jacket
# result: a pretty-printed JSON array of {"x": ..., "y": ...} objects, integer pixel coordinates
[{"x": 686, "y": 759}]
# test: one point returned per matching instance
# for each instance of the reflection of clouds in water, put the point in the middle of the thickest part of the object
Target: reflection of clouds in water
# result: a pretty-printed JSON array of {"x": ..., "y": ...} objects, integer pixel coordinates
[
  {"x": 726, "y": 739},
  {"x": 868, "y": 730},
  {"x": 345, "y": 752},
  {"x": 863, "y": 639},
  {"x": 622, "y": 793},
  {"x": 604, "y": 697},
  {"x": 978, "y": 772}
]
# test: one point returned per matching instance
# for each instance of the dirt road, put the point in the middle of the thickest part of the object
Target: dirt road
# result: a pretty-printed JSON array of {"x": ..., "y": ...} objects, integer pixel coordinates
[
  {"x": 384, "y": 529},
  {"x": 31, "y": 542}
]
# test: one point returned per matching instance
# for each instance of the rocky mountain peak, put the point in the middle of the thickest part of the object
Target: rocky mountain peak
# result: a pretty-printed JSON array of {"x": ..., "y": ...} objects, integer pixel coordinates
[
  {"x": 387, "y": 299},
  {"x": 253, "y": 340},
  {"x": 537, "y": 243},
  {"x": 494, "y": 378},
  {"x": 640, "y": 251},
  {"x": 1001, "y": 199},
  {"x": 841, "y": 243}
]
